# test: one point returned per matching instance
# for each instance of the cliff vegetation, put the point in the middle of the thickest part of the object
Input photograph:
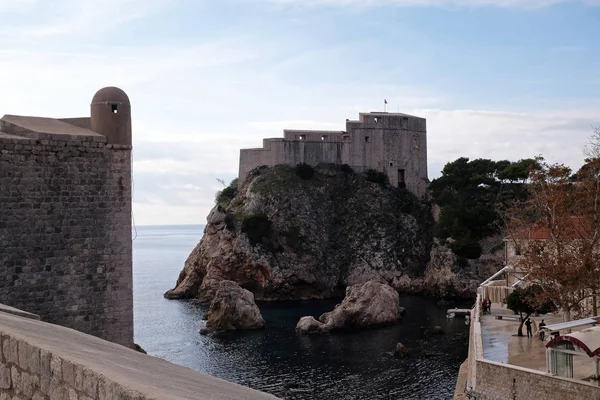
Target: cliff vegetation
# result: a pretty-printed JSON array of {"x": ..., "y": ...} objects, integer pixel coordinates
[{"x": 302, "y": 232}]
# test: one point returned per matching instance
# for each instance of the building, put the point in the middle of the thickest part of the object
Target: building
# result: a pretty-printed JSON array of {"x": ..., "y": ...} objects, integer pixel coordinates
[
  {"x": 395, "y": 144},
  {"x": 65, "y": 225}
]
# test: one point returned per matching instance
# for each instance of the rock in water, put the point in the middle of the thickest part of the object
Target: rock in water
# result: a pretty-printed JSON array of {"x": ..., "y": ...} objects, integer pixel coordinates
[
  {"x": 370, "y": 304},
  {"x": 310, "y": 325},
  {"x": 401, "y": 351},
  {"x": 367, "y": 305},
  {"x": 233, "y": 308}
]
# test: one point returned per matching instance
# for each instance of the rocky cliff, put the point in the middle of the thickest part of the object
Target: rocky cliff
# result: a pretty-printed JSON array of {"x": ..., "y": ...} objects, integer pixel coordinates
[{"x": 299, "y": 233}]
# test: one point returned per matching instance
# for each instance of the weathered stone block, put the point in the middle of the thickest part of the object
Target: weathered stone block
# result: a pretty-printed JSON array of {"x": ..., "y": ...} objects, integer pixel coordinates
[
  {"x": 22, "y": 349},
  {"x": 68, "y": 373},
  {"x": 5, "y": 379},
  {"x": 60, "y": 392},
  {"x": 15, "y": 376},
  {"x": 27, "y": 387},
  {"x": 90, "y": 383},
  {"x": 33, "y": 360},
  {"x": 38, "y": 396},
  {"x": 73, "y": 394},
  {"x": 56, "y": 366},
  {"x": 10, "y": 348}
]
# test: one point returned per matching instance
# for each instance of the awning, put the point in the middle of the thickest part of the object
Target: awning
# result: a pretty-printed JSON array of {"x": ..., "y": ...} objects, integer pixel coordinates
[
  {"x": 586, "y": 339},
  {"x": 572, "y": 324}
]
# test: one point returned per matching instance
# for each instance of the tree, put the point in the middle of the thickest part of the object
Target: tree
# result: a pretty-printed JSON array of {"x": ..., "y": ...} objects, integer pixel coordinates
[
  {"x": 557, "y": 229},
  {"x": 468, "y": 192},
  {"x": 528, "y": 301}
]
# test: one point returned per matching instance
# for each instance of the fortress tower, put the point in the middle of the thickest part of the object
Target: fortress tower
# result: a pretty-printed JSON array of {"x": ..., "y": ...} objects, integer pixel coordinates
[
  {"x": 65, "y": 225},
  {"x": 395, "y": 144}
]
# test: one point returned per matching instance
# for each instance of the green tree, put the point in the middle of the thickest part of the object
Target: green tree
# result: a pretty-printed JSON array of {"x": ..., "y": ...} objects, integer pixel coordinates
[
  {"x": 528, "y": 301},
  {"x": 469, "y": 193}
]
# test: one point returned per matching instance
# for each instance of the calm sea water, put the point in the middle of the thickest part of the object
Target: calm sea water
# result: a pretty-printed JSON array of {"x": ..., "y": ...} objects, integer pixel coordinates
[{"x": 349, "y": 365}]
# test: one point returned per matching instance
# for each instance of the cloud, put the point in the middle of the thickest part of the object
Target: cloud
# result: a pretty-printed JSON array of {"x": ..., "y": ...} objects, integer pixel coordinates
[
  {"x": 181, "y": 177},
  {"x": 40, "y": 18},
  {"x": 521, "y": 4}
]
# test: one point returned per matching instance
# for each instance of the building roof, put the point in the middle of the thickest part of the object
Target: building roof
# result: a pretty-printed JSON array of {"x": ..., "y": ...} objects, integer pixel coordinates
[
  {"x": 111, "y": 95},
  {"x": 44, "y": 125},
  {"x": 576, "y": 228},
  {"x": 586, "y": 339},
  {"x": 383, "y": 114}
]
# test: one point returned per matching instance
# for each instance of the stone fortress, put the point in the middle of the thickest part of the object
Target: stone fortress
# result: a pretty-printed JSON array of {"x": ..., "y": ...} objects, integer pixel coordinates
[
  {"x": 65, "y": 220},
  {"x": 392, "y": 143}
]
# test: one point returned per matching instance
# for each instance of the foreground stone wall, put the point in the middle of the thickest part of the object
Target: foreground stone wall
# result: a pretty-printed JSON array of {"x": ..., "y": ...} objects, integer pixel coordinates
[
  {"x": 41, "y": 361},
  {"x": 65, "y": 229},
  {"x": 497, "y": 381}
]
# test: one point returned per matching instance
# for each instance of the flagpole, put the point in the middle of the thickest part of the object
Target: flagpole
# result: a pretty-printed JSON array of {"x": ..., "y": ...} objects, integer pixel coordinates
[{"x": 384, "y": 105}]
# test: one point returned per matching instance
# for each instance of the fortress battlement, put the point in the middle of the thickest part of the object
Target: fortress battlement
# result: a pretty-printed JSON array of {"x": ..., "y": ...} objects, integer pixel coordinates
[{"x": 392, "y": 143}]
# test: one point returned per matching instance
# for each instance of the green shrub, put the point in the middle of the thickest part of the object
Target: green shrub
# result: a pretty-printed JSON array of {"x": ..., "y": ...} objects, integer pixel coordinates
[
  {"x": 226, "y": 195},
  {"x": 376, "y": 177},
  {"x": 304, "y": 171},
  {"x": 257, "y": 227}
]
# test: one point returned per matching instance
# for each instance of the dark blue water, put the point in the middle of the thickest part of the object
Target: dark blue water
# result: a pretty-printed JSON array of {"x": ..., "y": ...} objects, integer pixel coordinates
[{"x": 350, "y": 365}]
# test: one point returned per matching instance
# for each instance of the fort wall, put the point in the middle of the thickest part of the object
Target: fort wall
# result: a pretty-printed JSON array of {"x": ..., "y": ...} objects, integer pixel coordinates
[
  {"x": 65, "y": 225},
  {"x": 395, "y": 144},
  {"x": 65, "y": 229}
]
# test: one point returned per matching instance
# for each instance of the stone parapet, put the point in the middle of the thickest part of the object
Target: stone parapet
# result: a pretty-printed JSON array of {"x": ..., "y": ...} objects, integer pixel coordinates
[{"x": 41, "y": 361}]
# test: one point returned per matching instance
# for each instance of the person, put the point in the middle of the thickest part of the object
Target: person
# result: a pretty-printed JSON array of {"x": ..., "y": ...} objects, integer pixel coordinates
[
  {"x": 528, "y": 325},
  {"x": 542, "y": 331},
  {"x": 489, "y": 305},
  {"x": 484, "y": 306}
]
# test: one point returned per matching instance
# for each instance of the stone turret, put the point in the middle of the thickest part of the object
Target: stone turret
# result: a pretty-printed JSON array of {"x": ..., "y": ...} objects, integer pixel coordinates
[{"x": 111, "y": 115}]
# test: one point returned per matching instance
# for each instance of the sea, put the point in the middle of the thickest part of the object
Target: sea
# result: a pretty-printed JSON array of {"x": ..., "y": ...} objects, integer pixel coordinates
[{"x": 356, "y": 364}]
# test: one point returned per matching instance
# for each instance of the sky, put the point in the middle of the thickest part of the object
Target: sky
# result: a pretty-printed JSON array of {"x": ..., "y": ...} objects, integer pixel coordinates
[{"x": 499, "y": 79}]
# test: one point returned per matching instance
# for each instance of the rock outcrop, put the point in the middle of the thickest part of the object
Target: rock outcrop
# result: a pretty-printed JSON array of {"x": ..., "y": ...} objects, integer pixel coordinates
[
  {"x": 284, "y": 237},
  {"x": 309, "y": 325},
  {"x": 368, "y": 305},
  {"x": 232, "y": 308},
  {"x": 401, "y": 351}
]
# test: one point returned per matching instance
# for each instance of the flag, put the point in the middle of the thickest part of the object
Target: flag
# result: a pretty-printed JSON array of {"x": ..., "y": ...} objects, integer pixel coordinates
[{"x": 384, "y": 101}]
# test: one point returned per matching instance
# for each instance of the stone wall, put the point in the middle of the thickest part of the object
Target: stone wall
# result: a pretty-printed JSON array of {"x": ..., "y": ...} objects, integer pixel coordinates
[
  {"x": 395, "y": 144},
  {"x": 497, "y": 381},
  {"x": 65, "y": 228},
  {"x": 41, "y": 361}
]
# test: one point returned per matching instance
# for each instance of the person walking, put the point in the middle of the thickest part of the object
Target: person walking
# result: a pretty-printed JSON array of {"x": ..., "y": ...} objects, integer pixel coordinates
[
  {"x": 542, "y": 330},
  {"x": 484, "y": 306},
  {"x": 489, "y": 305},
  {"x": 528, "y": 325}
]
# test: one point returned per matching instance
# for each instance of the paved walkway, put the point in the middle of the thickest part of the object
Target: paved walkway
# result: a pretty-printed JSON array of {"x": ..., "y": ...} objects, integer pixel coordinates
[{"x": 501, "y": 344}]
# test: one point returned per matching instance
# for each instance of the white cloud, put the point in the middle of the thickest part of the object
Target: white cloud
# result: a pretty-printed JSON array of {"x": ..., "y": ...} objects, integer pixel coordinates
[
  {"x": 522, "y": 4},
  {"x": 69, "y": 17}
]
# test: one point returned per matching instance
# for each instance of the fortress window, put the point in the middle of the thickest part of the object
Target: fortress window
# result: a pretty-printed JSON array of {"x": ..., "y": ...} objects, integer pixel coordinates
[
  {"x": 375, "y": 119},
  {"x": 302, "y": 137},
  {"x": 401, "y": 179},
  {"x": 114, "y": 108},
  {"x": 366, "y": 139},
  {"x": 391, "y": 164},
  {"x": 346, "y": 138},
  {"x": 404, "y": 123},
  {"x": 323, "y": 137}
]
